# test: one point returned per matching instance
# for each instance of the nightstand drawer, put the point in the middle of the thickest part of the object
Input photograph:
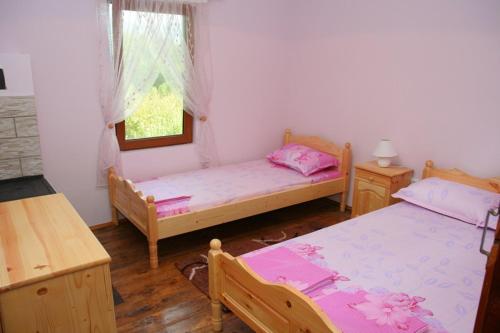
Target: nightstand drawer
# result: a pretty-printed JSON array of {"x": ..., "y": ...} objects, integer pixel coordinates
[
  {"x": 369, "y": 197},
  {"x": 364, "y": 185},
  {"x": 373, "y": 178}
]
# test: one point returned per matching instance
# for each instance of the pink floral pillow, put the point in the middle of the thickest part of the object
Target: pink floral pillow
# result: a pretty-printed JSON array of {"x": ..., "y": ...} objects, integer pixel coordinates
[
  {"x": 302, "y": 159},
  {"x": 459, "y": 201}
]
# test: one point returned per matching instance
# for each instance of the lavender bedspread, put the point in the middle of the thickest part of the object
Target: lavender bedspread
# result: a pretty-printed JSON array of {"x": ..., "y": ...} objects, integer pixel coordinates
[{"x": 399, "y": 269}]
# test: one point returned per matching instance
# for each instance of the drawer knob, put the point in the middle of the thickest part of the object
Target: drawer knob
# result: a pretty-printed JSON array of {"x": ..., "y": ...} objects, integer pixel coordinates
[
  {"x": 42, "y": 291},
  {"x": 371, "y": 179}
]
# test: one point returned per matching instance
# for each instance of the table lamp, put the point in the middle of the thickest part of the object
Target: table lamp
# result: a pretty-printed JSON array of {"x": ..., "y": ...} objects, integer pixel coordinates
[{"x": 384, "y": 151}]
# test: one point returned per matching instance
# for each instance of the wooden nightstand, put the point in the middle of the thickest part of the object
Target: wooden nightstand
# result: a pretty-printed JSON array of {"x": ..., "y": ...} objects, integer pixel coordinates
[{"x": 374, "y": 185}]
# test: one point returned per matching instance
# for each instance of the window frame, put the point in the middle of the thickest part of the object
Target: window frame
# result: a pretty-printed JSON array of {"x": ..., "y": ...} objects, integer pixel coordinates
[{"x": 187, "y": 120}]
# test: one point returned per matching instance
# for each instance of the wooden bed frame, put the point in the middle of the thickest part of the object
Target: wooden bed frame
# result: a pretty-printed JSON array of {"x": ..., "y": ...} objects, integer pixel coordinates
[
  {"x": 141, "y": 211},
  {"x": 267, "y": 307}
]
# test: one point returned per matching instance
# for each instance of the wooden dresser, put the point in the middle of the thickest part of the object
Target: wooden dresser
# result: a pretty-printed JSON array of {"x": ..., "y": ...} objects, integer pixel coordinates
[
  {"x": 374, "y": 185},
  {"x": 54, "y": 274}
]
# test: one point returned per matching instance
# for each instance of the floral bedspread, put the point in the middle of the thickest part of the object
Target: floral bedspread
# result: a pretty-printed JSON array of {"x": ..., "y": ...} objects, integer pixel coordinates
[{"x": 399, "y": 269}]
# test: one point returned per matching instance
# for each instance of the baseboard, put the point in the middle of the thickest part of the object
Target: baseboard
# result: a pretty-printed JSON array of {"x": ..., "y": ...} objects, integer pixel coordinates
[
  {"x": 101, "y": 225},
  {"x": 332, "y": 198}
]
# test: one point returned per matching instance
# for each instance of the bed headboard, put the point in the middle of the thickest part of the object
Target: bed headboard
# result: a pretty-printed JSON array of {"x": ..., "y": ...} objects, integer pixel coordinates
[
  {"x": 343, "y": 155},
  {"x": 458, "y": 176}
]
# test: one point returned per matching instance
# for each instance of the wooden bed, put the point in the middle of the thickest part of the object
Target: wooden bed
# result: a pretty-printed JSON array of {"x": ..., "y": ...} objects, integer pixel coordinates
[
  {"x": 268, "y": 307},
  {"x": 141, "y": 210}
]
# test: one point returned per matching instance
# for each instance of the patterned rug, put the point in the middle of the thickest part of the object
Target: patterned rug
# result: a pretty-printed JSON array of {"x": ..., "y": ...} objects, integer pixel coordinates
[{"x": 195, "y": 268}]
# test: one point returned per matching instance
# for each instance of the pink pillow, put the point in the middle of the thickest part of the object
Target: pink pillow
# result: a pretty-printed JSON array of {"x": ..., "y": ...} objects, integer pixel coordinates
[
  {"x": 302, "y": 159},
  {"x": 462, "y": 202}
]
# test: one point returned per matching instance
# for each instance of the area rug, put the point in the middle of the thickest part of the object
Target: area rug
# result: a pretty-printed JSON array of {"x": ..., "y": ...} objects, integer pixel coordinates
[{"x": 195, "y": 268}]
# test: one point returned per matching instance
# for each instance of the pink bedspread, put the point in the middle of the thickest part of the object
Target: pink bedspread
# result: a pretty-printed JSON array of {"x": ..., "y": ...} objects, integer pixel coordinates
[
  {"x": 200, "y": 189},
  {"x": 399, "y": 269}
]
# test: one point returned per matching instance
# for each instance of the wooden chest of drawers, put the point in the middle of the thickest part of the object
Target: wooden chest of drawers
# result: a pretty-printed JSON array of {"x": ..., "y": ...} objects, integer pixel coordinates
[
  {"x": 54, "y": 274},
  {"x": 374, "y": 185}
]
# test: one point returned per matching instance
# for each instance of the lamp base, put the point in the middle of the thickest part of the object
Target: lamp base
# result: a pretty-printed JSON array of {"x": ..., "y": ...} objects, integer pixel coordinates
[{"x": 384, "y": 162}]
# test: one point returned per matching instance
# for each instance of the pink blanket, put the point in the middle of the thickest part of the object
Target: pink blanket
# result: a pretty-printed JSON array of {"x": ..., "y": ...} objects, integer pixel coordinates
[
  {"x": 281, "y": 265},
  {"x": 201, "y": 189},
  {"x": 171, "y": 207}
]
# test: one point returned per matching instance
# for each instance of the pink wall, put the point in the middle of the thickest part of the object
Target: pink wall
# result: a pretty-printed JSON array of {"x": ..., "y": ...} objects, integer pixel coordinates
[
  {"x": 424, "y": 73},
  {"x": 61, "y": 38}
]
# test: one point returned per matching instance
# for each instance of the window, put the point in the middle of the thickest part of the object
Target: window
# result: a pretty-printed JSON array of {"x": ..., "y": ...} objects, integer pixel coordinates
[{"x": 160, "y": 119}]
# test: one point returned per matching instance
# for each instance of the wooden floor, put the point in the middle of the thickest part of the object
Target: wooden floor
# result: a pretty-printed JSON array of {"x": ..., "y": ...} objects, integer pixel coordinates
[{"x": 163, "y": 300}]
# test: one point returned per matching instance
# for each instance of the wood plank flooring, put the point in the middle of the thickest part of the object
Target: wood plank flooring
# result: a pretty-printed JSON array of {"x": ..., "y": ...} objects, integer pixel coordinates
[{"x": 163, "y": 300}]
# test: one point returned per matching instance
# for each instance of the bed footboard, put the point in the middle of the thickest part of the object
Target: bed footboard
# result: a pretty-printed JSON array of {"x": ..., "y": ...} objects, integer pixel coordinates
[
  {"x": 136, "y": 208},
  {"x": 265, "y": 307}
]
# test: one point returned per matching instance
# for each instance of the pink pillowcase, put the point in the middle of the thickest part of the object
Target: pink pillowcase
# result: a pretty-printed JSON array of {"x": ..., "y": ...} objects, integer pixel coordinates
[
  {"x": 459, "y": 201},
  {"x": 302, "y": 159}
]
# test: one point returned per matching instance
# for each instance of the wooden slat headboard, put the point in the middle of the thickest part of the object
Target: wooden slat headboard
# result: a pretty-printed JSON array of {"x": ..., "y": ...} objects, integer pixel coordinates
[
  {"x": 456, "y": 175},
  {"x": 314, "y": 142}
]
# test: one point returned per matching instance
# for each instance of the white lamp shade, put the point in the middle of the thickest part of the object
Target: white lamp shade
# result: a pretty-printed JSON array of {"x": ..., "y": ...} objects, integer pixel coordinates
[{"x": 385, "y": 149}]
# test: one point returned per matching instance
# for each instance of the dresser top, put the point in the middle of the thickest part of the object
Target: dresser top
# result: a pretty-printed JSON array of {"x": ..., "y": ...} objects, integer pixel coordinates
[
  {"x": 390, "y": 171},
  {"x": 44, "y": 237}
]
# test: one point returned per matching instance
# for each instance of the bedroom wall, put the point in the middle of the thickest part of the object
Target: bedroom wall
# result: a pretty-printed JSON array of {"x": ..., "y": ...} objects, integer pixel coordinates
[
  {"x": 424, "y": 73},
  {"x": 61, "y": 38}
]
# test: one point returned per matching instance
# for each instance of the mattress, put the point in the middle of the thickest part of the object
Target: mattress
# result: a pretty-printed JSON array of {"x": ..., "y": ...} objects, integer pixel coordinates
[
  {"x": 399, "y": 269},
  {"x": 201, "y": 189}
]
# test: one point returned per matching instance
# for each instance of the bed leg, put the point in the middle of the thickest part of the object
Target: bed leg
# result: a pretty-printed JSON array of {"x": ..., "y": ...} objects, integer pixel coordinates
[
  {"x": 216, "y": 316},
  {"x": 112, "y": 179},
  {"x": 343, "y": 201},
  {"x": 114, "y": 216},
  {"x": 153, "y": 255},
  {"x": 346, "y": 170},
  {"x": 214, "y": 283}
]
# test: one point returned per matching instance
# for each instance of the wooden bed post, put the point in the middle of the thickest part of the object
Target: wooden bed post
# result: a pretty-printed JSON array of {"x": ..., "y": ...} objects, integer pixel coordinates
[
  {"x": 111, "y": 191},
  {"x": 286, "y": 137},
  {"x": 152, "y": 232},
  {"x": 214, "y": 279},
  {"x": 427, "y": 169},
  {"x": 346, "y": 166}
]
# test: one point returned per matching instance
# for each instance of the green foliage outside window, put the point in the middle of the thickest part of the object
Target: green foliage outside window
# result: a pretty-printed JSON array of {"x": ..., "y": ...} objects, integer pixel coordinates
[{"x": 159, "y": 114}]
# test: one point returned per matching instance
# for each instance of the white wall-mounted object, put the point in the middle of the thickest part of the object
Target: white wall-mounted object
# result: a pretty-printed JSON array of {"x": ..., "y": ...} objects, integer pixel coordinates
[{"x": 17, "y": 73}]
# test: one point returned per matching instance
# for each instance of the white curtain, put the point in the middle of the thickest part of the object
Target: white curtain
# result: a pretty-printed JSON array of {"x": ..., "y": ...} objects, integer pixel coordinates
[{"x": 140, "y": 42}]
